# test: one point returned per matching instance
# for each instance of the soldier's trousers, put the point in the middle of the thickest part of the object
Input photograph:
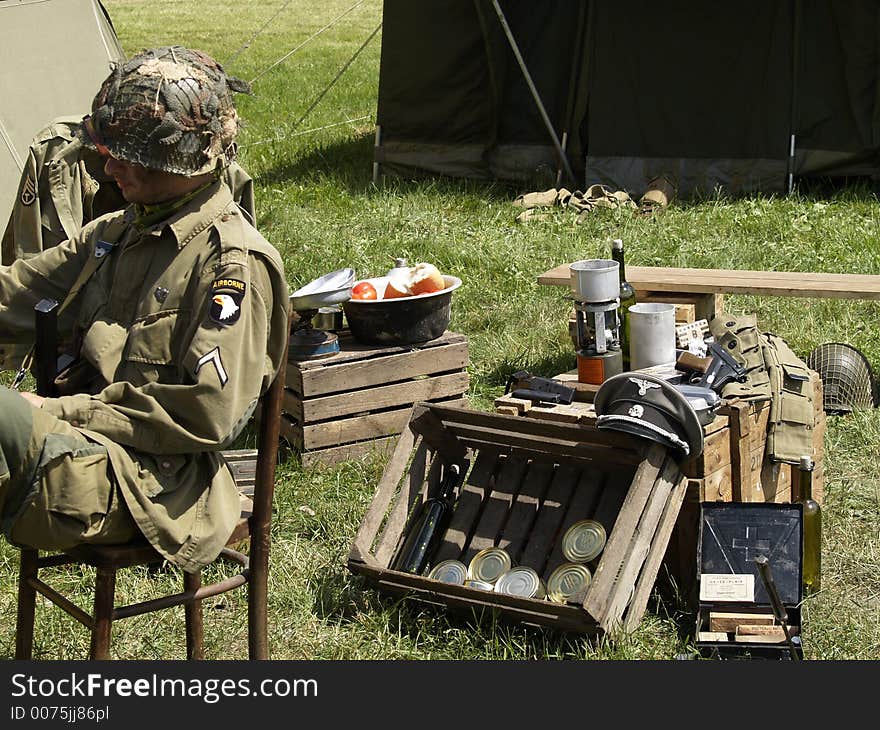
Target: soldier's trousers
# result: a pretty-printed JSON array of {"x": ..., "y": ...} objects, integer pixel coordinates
[{"x": 56, "y": 486}]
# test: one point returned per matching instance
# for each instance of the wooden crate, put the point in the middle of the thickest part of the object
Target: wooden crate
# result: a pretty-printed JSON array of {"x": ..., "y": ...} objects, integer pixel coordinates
[
  {"x": 733, "y": 466},
  {"x": 359, "y": 399},
  {"x": 528, "y": 480}
]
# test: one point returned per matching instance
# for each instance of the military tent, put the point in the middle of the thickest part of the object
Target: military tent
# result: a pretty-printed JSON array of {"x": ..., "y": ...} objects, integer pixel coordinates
[
  {"x": 743, "y": 96},
  {"x": 53, "y": 56}
]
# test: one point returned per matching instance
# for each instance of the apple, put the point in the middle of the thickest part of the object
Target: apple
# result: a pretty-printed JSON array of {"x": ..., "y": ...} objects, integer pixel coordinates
[
  {"x": 426, "y": 279},
  {"x": 364, "y": 290}
]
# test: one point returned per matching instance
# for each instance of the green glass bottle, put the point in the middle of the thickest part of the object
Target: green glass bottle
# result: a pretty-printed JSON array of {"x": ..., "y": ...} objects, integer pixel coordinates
[
  {"x": 423, "y": 537},
  {"x": 627, "y": 299},
  {"x": 812, "y": 521}
]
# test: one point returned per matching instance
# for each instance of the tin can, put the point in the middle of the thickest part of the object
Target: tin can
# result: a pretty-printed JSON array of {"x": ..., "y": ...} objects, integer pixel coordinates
[
  {"x": 488, "y": 564},
  {"x": 449, "y": 571},
  {"x": 481, "y": 584},
  {"x": 521, "y": 581},
  {"x": 583, "y": 541},
  {"x": 567, "y": 580}
]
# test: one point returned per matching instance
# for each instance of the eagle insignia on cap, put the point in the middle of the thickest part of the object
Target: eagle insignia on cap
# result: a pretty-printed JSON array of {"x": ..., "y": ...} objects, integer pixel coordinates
[{"x": 643, "y": 385}]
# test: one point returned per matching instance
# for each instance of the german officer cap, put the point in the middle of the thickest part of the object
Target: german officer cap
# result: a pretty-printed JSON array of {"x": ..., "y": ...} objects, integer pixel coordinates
[{"x": 646, "y": 406}]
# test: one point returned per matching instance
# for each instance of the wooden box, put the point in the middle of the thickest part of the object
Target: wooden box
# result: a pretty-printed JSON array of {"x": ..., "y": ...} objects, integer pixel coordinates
[
  {"x": 528, "y": 481},
  {"x": 359, "y": 399},
  {"x": 733, "y": 466}
]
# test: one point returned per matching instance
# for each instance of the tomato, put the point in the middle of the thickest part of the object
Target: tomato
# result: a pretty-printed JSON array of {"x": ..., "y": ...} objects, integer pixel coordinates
[{"x": 363, "y": 290}]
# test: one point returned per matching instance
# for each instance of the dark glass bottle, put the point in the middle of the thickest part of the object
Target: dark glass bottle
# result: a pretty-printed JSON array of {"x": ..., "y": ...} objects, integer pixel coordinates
[
  {"x": 423, "y": 537},
  {"x": 627, "y": 299},
  {"x": 812, "y": 520}
]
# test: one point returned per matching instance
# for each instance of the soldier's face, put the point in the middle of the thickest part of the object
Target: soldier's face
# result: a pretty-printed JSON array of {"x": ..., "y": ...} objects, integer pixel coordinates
[{"x": 139, "y": 184}]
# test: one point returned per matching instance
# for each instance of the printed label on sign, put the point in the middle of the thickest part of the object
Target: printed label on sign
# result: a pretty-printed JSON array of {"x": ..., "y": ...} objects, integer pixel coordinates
[{"x": 727, "y": 587}]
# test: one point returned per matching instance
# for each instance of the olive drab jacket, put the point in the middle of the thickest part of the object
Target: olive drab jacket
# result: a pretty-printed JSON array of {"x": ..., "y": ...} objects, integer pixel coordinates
[{"x": 180, "y": 330}]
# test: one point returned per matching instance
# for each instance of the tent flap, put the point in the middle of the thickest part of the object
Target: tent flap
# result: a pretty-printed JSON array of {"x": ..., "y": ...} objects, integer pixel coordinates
[{"x": 707, "y": 93}]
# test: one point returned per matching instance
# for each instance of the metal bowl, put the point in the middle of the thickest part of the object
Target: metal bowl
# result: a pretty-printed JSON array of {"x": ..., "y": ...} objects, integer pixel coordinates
[
  {"x": 402, "y": 321},
  {"x": 332, "y": 288}
]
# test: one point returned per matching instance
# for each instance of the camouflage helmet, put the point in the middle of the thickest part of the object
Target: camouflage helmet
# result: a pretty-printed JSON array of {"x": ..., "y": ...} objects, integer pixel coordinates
[{"x": 167, "y": 109}]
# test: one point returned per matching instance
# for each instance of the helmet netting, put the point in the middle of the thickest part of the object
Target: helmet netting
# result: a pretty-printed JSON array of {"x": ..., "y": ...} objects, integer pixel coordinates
[{"x": 168, "y": 109}]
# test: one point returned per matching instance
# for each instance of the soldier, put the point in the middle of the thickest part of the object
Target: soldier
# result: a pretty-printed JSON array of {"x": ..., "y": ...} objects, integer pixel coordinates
[
  {"x": 177, "y": 308},
  {"x": 63, "y": 186}
]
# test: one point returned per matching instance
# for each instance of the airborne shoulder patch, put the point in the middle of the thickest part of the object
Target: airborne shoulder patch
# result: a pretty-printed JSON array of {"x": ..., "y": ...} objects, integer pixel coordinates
[{"x": 226, "y": 298}]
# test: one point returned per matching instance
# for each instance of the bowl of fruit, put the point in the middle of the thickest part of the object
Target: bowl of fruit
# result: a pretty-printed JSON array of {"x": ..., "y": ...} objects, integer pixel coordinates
[{"x": 409, "y": 305}]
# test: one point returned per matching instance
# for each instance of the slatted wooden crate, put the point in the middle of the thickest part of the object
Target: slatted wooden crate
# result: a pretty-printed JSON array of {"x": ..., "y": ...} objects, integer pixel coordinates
[
  {"x": 734, "y": 466},
  {"x": 345, "y": 405},
  {"x": 528, "y": 481}
]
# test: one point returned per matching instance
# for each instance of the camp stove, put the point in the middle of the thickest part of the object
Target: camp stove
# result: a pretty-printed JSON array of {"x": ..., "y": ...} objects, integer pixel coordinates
[
  {"x": 306, "y": 341},
  {"x": 595, "y": 288}
]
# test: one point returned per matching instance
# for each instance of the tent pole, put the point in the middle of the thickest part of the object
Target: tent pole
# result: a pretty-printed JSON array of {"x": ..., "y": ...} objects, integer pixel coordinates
[
  {"x": 534, "y": 91},
  {"x": 795, "y": 65},
  {"x": 376, "y": 145},
  {"x": 573, "y": 84}
]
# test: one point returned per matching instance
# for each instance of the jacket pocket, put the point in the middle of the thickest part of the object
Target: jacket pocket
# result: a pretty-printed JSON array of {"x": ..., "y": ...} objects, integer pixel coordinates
[
  {"x": 150, "y": 340},
  {"x": 77, "y": 483}
]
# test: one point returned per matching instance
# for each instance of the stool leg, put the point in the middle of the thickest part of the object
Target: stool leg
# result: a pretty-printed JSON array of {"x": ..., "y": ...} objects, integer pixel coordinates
[
  {"x": 105, "y": 594},
  {"x": 195, "y": 634},
  {"x": 27, "y": 600}
]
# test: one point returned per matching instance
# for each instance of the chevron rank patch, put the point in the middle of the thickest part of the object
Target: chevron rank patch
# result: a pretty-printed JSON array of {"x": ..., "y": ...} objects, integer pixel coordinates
[
  {"x": 28, "y": 191},
  {"x": 213, "y": 358},
  {"x": 226, "y": 298}
]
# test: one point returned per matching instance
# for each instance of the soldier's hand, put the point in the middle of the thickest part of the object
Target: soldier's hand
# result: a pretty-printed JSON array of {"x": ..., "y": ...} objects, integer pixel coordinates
[{"x": 35, "y": 400}]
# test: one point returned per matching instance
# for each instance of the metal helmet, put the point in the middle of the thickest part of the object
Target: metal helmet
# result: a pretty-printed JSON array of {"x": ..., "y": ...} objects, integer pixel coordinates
[
  {"x": 167, "y": 109},
  {"x": 847, "y": 379}
]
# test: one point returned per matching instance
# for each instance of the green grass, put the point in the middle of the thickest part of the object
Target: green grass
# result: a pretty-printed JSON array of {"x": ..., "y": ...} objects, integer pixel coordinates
[{"x": 317, "y": 204}]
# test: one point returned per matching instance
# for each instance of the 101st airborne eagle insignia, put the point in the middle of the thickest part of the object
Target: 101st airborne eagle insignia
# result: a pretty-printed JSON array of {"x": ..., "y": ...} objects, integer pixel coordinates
[{"x": 226, "y": 298}]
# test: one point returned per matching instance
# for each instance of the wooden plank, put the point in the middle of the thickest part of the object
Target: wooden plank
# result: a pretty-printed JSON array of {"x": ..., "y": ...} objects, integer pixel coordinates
[
  {"x": 426, "y": 421},
  {"x": 348, "y": 376},
  {"x": 477, "y": 437},
  {"x": 727, "y": 621},
  {"x": 550, "y": 517},
  {"x": 525, "y": 509},
  {"x": 410, "y": 495},
  {"x": 357, "y": 428},
  {"x": 584, "y": 392},
  {"x": 640, "y": 543},
  {"x": 347, "y": 452},
  {"x": 385, "y": 492},
  {"x": 375, "y": 399},
  {"x": 648, "y": 576},
  {"x": 734, "y": 281},
  {"x": 716, "y": 487},
  {"x": 350, "y": 350},
  {"x": 598, "y": 594},
  {"x": 760, "y": 634},
  {"x": 528, "y": 610},
  {"x": 242, "y": 463},
  {"x": 537, "y": 428},
  {"x": 740, "y": 469},
  {"x": 496, "y": 506},
  {"x": 591, "y": 488},
  {"x": 468, "y": 505},
  {"x": 715, "y": 454}
]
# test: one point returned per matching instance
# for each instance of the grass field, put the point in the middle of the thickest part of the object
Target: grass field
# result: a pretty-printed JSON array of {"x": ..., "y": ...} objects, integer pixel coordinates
[{"x": 317, "y": 204}]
